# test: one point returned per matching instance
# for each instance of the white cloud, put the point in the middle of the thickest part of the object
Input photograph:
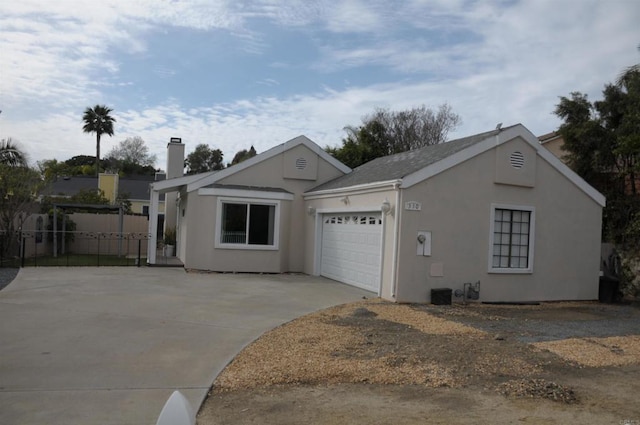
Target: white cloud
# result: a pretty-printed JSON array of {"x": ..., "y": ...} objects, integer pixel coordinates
[{"x": 493, "y": 62}]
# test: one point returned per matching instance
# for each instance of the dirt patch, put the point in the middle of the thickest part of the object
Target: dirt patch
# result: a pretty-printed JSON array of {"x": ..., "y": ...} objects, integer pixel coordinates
[{"x": 367, "y": 361}]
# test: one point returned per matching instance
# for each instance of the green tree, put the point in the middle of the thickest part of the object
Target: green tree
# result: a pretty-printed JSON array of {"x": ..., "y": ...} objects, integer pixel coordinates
[
  {"x": 131, "y": 157},
  {"x": 204, "y": 159},
  {"x": 98, "y": 120},
  {"x": 19, "y": 186},
  {"x": 243, "y": 155},
  {"x": 11, "y": 154},
  {"x": 602, "y": 140},
  {"x": 387, "y": 132}
]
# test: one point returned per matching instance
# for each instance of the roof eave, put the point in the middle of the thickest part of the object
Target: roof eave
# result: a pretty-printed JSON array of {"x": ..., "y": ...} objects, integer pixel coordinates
[{"x": 368, "y": 187}]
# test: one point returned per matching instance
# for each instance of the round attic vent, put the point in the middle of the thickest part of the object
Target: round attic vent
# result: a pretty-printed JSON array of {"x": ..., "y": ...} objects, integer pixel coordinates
[
  {"x": 517, "y": 160},
  {"x": 301, "y": 163}
]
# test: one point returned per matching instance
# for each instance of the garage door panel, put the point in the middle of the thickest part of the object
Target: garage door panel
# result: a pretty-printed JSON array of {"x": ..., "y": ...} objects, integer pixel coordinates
[{"x": 351, "y": 249}]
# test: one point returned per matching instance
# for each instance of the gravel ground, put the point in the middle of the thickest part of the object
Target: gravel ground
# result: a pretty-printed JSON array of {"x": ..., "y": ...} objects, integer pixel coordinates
[
  {"x": 546, "y": 322},
  {"x": 568, "y": 362},
  {"x": 7, "y": 275}
]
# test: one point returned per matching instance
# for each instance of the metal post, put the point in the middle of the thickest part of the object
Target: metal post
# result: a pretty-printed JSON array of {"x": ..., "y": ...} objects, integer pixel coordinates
[
  {"x": 55, "y": 229},
  {"x": 139, "y": 249},
  {"x": 22, "y": 250},
  {"x": 121, "y": 229},
  {"x": 64, "y": 228}
]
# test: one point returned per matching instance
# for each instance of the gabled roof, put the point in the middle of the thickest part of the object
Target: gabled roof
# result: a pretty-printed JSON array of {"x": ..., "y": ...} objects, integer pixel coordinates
[
  {"x": 174, "y": 184},
  {"x": 212, "y": 178},
  {"x": 409, "y": 168},
  {"x": 394, "y": 167}
]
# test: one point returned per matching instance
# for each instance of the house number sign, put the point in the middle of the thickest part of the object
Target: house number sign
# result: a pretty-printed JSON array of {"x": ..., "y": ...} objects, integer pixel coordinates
[{"x": 412, "y": 206}]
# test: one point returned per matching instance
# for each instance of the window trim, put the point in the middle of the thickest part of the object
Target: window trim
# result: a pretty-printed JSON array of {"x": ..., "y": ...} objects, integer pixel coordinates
[
  {"x": 247, "y": 201},
  {"x": 532, "y": 228}
]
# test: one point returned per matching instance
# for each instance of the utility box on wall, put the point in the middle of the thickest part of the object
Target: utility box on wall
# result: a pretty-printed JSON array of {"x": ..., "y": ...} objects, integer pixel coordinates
[{"x": 441, "y": 296}]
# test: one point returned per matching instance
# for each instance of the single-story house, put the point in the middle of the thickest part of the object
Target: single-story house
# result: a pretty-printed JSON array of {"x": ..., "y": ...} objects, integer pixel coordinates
[
  {"x": 495, "y": 207},
  {"x": 134, "y": 188}
]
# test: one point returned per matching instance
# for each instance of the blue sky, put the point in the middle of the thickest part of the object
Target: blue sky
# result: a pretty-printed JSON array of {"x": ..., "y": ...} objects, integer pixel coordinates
[{"x": 238, "y": 73}]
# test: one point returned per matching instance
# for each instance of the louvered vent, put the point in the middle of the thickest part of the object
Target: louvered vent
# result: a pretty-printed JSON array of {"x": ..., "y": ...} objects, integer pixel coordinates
[
  {"x": 301, "y": 163},
  {"x": 517, "y": 160}
]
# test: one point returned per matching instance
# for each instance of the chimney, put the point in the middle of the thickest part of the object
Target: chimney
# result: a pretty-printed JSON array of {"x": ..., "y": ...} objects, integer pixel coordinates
[
  {"x": 175, "y": 158},
  {"x": 175, "y": 168}
]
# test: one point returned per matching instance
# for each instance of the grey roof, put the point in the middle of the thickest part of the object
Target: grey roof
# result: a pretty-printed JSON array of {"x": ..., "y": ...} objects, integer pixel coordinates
[
  {"x": 69, "y": 186},
  {"x": 256, "y": 188},
  {"x": 400, "y": 165},
  {"x": 137, "y": 187}
]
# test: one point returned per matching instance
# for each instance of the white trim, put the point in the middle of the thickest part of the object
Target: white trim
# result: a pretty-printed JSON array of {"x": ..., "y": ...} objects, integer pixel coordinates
[
  {"x": 396, "y": 235},
  {"x": 247, "y": 201},
  {"x": 357, "y": 189},
  {"x": 500, "y": 138},
  {"x": 248, "y": 193},
  {"x": 572, "y": 176},
  {"x": 348, "y": 210},
  {"x": 171, "y": 185},
  {"x": 532, "y": 238},
  {"x": 276, "y": 150},
  {"x": 451, "y": 161}
]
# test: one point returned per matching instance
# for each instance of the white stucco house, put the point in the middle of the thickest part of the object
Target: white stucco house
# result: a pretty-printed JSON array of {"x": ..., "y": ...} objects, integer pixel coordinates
[{"x": 495, "y": 207}]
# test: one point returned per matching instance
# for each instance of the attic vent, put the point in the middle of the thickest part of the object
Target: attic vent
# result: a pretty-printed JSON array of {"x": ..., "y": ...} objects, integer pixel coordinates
[
  {"x": 301, "y": 163},
  {"x": 517, "y": 160}
]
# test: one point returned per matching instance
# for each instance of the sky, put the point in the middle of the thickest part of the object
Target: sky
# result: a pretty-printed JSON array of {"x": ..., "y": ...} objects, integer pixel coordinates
[{"x": 234, "y": 74}]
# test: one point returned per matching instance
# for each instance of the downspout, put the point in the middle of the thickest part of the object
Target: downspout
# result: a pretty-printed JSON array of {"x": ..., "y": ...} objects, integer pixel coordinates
[{"x": 396, "y": 232}]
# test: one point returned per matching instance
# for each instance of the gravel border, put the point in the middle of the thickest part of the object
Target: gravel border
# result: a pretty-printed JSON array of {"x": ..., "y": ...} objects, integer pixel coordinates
[{"x": 7, "y": 274}]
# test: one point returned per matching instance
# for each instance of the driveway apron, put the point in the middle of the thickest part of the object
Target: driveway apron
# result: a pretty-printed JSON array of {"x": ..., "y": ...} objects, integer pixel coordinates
[{"x": 109, "y": 345}]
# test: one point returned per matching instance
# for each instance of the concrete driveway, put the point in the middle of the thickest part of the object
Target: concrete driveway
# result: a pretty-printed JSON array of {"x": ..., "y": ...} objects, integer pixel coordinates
[{"x": 109, "y": 345}]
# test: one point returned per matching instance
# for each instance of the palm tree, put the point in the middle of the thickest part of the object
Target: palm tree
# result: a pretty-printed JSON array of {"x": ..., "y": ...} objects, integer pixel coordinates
[
  {"x": 97, "y": 120},
  {"x": 10, "y": 154}
]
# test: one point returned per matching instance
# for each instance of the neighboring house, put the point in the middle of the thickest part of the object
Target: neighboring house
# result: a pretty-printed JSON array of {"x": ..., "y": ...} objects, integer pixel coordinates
[
  {"x": 135, "y": 188},
  {"x": 553, "y": 142},
  {"x": 495, "y": 207}
]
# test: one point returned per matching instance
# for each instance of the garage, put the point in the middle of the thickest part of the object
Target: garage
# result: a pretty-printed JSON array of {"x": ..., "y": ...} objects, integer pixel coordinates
[{"x": 351, "y": 249}]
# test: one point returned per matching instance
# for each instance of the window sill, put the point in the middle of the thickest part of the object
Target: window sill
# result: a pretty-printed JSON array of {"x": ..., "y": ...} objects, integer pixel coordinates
[
  {"x": 247, "y": 247},
  {"x": 511, "y": 271}
]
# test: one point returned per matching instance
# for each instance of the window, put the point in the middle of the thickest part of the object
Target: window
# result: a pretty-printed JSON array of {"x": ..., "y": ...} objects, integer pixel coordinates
[
  {"x": 511, "y": 239},
  {"x": 248, "y": 223}
]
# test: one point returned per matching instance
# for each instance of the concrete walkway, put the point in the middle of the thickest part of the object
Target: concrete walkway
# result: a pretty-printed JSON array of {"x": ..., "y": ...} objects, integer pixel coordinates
[{"x": 109, "y": 345}]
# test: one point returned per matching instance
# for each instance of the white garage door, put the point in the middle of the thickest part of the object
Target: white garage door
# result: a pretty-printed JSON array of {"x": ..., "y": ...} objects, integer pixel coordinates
[{"x": 351, "y": 249}]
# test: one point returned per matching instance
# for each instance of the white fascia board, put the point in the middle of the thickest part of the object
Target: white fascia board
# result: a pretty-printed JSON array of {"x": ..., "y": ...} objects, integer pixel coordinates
[
  {"x": 240, "y": 193},
  {"x": 598, "y": 197},
  {"x": 450, "y": 161},
  {"x": 503, "y": 137},
  {"x": 354, "y": 190},
  {"x": 318, "y": 150},
  {"x": 276, "y": 150},
  {"x": 564, "y": 169},
  {"x": 171, "y": 185}
]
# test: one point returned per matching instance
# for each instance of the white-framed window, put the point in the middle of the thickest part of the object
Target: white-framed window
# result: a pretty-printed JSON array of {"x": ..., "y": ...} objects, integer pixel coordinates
[
  {"x": 247, "y": 223},
  {"x": 511, "y": 239}
]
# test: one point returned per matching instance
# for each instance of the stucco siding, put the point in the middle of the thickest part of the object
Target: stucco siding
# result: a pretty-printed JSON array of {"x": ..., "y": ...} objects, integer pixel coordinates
[
  {"x": 270, "y": 173},
  {"x": 456, "y": 208}
]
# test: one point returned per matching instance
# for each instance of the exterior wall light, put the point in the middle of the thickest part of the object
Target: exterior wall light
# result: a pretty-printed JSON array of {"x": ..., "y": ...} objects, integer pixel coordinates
[
  {"x": 386, "y": 207},
  {"x": 311, "y": 210}
]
